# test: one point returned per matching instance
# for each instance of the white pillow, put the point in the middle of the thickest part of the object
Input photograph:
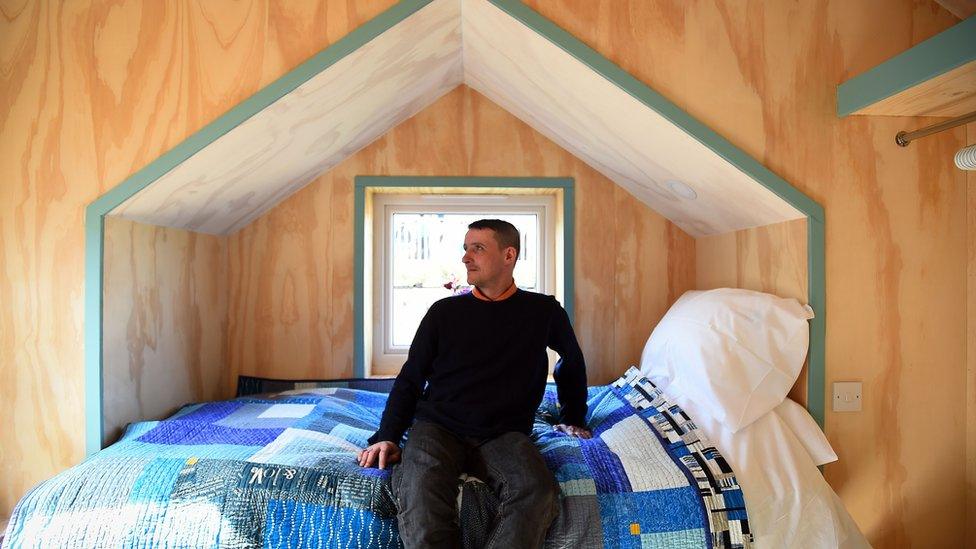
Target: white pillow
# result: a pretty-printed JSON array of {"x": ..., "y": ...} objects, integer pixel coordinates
[
  {"x": 788, "y": 501},
  {"x": 736, "y": 353},
  {"x": 799, "y": 420}
]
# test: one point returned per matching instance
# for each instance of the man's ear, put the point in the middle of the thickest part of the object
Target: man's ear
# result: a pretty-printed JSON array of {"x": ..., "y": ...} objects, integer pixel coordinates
[{"x": 510, "y": 253}]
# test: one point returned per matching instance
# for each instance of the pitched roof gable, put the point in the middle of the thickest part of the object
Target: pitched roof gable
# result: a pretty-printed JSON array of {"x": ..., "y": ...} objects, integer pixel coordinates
[{"x": 302, "y": 125}]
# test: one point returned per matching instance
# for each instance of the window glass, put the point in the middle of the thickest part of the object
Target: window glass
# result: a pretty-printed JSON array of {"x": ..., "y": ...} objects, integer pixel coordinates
[{"x": 426, "y": 250}]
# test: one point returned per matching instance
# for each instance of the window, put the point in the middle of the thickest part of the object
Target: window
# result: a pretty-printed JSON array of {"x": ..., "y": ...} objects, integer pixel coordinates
[{"x": 417, "y": 248}]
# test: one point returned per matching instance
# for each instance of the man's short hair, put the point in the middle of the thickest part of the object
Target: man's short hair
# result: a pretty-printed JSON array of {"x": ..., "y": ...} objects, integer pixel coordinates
[{"x": 505, "y": 233}]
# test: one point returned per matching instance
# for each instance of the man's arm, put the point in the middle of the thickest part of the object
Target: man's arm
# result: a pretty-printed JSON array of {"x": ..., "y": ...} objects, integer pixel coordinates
[
  {"x": 407, "y": 389},
  {"x": 570, "y": 372}
]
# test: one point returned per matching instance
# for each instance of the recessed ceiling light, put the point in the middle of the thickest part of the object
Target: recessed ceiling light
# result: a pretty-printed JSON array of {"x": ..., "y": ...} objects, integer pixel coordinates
[{"x": 681, "y": 189}]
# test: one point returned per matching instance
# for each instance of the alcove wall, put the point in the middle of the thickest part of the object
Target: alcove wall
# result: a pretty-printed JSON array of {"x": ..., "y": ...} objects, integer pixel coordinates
[
  {"x": 165, "y": 311},
  {"x": 275, "y": 298}
]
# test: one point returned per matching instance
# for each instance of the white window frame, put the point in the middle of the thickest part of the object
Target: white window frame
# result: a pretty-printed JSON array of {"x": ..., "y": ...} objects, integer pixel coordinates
[{"x": 386, "y": 359}]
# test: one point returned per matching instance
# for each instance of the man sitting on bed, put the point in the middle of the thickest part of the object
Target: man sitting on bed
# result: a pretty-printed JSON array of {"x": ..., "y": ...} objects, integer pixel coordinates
[{"x": 474, "y": 376}]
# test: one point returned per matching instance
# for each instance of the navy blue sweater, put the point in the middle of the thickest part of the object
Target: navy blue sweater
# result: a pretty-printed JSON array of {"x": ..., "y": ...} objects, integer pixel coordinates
[{"x": 479, "y": 368}]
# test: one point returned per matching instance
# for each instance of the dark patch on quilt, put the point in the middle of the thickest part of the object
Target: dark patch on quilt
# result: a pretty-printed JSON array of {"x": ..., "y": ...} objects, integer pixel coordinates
[
  {"x": 251, "y": 385},
  {"x": 281, "y": 472}
]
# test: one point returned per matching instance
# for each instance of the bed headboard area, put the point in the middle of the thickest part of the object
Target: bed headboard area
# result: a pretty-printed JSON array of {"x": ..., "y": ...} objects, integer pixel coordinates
[{"x": 240, "y": 252}]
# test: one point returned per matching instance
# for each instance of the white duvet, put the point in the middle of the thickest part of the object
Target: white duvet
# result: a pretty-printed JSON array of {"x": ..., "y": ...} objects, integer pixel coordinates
[{"x": 787, "y": 499}]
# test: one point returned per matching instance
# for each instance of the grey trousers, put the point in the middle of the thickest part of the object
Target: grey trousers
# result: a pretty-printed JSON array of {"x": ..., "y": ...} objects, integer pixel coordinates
[{"x": 425, "y": 484}]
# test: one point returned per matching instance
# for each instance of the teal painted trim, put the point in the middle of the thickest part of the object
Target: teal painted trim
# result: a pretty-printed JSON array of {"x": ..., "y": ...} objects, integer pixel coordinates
[
  {"x": 94, "y": 239},
  {"x": 462, "y": 181},
  {"x": 817, "y": 298},
  {"x": 95, "y": 212},
  {"x": 362, "y": 182},
  {"x": 358, "y": 286},
  {"x": 943, "y": 52},
  {"x": 722, "y": 147},
  {"x": 259, "y": 101},
  {"x": 569, "y": 251},
  {"x": 655, "y": 101}
]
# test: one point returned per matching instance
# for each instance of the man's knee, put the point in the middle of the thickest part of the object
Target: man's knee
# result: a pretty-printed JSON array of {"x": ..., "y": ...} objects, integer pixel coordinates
[
  {"x": 428, "y": 469},
  {"x": 539, "y": 489}
]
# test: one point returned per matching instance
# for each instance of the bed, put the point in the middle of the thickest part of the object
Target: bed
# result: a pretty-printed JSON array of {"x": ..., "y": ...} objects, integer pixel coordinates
[
  {"x": 279, "y": 471},
  {"x": 686, "y": 452}
]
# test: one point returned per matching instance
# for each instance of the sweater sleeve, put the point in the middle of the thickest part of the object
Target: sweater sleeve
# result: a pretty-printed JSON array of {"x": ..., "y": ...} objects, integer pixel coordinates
[
  {"x": 409, "y": 385},
  {"x": 570, "y": 371}
]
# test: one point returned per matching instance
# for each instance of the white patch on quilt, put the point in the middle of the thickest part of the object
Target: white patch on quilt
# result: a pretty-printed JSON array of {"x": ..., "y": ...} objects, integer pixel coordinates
[
  {"x": 647, "y": 464},
  {"x": 287, "y": 410},
  {"x": 301, "y": 447},
  {"x": 311, "y": 391},
  {"x": 143, "y": 524}
]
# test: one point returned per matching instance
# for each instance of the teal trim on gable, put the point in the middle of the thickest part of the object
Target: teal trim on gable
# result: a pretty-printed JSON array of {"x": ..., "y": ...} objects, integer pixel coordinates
[
  {"x": 174, "y": 157},
  {"x": 359, "y": 215},
  {"x": 720, "y": 146},
  {"x": 265, "y": 97},
  {"x": 657, "y": 102},
  {"x": 260, "y": 101},
  {"x": 94, "y": 240},
  {"x": 943, "y": 52},
  {"x": 358, "y": 285},
  {"x": 817, "y": 299}
]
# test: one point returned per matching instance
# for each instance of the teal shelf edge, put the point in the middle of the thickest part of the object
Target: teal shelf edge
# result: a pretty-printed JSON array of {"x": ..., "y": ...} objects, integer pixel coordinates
[{"x": 943, "y": 52}]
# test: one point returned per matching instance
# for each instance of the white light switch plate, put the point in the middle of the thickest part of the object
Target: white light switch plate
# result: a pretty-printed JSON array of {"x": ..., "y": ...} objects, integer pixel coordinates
[{"x": 847, "y": 396}]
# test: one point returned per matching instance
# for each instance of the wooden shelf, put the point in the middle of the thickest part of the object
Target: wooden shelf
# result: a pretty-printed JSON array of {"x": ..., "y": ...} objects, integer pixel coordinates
[{"x": 935, "y": 78}]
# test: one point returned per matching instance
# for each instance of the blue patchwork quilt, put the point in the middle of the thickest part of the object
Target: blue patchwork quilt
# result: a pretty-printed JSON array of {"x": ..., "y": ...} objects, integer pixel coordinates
[{"x": 280, "y": 471}]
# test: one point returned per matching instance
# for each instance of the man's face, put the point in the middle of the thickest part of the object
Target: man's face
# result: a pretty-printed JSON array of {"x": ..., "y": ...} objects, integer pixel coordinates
[{"x": 485, "y": 260}]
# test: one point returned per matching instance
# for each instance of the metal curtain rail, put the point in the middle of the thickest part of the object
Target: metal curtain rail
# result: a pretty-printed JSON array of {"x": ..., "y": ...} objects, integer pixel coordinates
[{"x": 904, "y": 138}]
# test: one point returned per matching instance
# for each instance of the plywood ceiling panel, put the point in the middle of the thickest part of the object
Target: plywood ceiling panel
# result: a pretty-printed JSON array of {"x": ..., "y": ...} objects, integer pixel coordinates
[
  {"x": 254, "y": 166},
  {"x": 608, "y": 128},
  {"x": 250, "y": 169}
]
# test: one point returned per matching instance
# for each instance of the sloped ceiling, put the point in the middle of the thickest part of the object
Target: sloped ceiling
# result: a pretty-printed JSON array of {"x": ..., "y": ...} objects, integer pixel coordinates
[{"x": 251, "y": 168}]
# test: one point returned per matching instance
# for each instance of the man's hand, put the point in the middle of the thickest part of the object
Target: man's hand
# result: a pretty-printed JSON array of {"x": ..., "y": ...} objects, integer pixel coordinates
[
  {"x": 385, "y": 451},
  {"x": 572, "y": 430}
]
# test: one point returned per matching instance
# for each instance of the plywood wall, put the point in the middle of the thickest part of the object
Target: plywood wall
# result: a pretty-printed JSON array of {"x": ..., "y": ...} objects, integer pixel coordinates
[
  {"x": 92, "y": 93},
  {"x": 291, "y": 271},
  {"x": 764, "y": 75},
  {"x": 771, "y": 259},
  {"x": 165, "y": 320}
]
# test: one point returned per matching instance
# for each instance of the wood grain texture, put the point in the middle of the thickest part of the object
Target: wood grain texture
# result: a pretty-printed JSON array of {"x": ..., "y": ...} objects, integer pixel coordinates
[
  {"x": 291, "y": 270},
  {"x": 251, "y": 168},
  {"x": 764, "y": 74},
  {"x": 952, "y": 93},
  {"x": 645, "y": 280},
  {"x": 255, "y": 165},
  {"x": 960, "y": 8},
  {"x": 90, "y": 94},
  {"x": 93, "y": 93},
  {"x": 770, "y": 259},
  {"x": 591, "y": 117},
  {"x": 165, "y": 322},
  {"x": 971, "y": 337}
]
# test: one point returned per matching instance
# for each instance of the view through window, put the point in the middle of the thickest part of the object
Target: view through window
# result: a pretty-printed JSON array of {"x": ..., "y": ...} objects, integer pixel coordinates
[{"x": 425, "y": 252}]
